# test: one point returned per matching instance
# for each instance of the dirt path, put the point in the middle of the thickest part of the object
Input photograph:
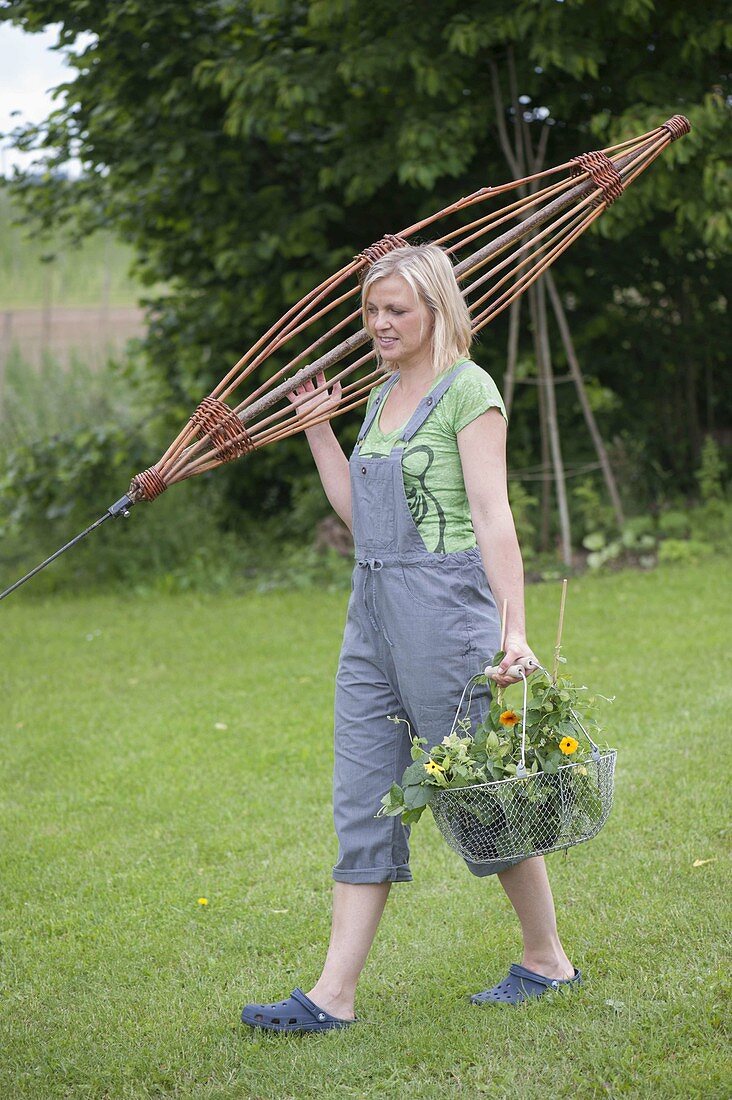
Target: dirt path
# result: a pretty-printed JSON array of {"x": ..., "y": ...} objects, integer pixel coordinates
[{"x": 89, "y": 332}]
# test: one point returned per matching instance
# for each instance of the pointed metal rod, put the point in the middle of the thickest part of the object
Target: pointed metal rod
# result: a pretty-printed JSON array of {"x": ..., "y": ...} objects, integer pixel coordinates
[{"x": 120, "y": 507}]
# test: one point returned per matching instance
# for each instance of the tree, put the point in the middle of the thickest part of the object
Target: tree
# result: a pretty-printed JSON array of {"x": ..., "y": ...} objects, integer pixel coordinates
[{"x": 247, "y": 148}]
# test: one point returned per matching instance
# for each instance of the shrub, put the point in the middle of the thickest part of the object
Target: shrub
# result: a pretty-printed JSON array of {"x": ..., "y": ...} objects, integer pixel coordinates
[
  {"x": 674, "y": 525},
  {"x": 711, "y": 471},
  {"x": 523, "y": 506},
  {"x": 673, "y": 551},
  {"x": 593, "y": 512}
]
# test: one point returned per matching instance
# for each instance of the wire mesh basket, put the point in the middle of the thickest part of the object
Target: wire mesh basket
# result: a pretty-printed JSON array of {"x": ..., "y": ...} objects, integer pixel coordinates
[{"x": 531, "y": 814}]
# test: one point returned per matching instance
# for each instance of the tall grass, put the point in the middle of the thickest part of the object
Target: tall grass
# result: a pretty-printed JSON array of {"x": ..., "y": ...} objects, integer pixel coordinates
[{"x": 61, "y": 396}]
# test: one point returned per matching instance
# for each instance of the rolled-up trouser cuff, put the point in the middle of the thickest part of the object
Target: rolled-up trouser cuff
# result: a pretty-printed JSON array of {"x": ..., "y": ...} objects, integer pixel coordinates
[
  {"x": 482, "y": 870},
  {"x": 374, "y": 874}
]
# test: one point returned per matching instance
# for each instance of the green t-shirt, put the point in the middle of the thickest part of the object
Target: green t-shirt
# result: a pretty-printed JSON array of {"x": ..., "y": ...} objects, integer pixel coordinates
[{"x": 431, "y": 467}]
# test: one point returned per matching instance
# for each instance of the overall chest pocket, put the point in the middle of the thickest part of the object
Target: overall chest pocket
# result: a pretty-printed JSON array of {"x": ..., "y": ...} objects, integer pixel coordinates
[{"x": 373, "y": 503}]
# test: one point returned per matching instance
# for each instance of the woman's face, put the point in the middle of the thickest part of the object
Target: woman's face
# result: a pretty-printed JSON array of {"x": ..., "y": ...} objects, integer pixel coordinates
[{"x": 399, "y": 322}]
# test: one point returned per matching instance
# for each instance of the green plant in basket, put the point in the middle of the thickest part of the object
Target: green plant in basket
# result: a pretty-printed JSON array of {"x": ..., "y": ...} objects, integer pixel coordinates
[{"x": 545, "y": 735}]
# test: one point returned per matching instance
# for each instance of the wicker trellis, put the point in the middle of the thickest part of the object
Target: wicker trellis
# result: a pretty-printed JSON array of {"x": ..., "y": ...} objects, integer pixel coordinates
[{"x": 497, "y": 255}]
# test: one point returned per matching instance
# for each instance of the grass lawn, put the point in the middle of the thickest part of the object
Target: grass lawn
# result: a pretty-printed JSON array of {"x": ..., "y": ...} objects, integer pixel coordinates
[{"x": 157, "y": 751}]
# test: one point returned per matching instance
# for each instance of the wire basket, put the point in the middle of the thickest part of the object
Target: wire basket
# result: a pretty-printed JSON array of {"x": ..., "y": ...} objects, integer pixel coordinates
[{"x": 531, "y": 814}]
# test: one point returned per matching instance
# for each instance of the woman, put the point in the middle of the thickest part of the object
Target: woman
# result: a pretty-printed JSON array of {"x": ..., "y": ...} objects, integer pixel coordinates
[{"x": 426, "y": 499}]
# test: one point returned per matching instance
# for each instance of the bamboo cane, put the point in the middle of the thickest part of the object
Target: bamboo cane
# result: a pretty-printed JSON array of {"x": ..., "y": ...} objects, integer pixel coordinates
[{"x": 560, "y": 628}]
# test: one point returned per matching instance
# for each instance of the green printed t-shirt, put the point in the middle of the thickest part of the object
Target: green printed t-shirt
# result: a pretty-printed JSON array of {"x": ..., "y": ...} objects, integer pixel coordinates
[{"x": 431, "y": 466}]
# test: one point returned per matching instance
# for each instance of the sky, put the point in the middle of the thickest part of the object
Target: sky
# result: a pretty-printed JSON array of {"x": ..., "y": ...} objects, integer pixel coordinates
[{"x": 29, "y": 69}]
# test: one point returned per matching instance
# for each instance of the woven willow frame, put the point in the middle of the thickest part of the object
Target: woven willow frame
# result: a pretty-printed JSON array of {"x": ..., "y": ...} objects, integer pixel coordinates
[{"x": 534, "y": 229}]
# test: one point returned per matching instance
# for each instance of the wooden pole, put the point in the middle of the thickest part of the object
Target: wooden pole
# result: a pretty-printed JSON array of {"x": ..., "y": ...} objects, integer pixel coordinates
[
  {"x": 5, "y": 346},
  {"x": 545, "y": 500},
  {"x": 542, "y": 345},
  {"x": 46, "y": 307},
  {"x": 509, "y": 378},
  {"x": 576, "y": 372},
  {"x": 546, "y": 375},
  {"x": 516, "y": 157}
]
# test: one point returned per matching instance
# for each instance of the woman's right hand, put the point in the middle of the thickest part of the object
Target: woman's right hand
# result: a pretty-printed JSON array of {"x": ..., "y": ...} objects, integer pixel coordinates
[{"x": 326, "y": 401}]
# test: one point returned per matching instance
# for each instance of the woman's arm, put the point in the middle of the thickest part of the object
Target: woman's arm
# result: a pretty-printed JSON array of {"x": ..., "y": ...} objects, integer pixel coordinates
[
  {"x": 328, "y": 454},
  {"x": 482, "y": 446}
]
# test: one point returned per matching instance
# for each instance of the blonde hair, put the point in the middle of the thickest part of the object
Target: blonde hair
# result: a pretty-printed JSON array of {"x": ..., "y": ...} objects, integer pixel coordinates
[{"x": 428, "y": 270}]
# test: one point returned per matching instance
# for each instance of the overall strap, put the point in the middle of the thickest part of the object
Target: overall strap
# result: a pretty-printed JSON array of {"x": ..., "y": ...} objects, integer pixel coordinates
[
  {"x": 428, "y": 403},
  {"x": 376, "y": 405}
]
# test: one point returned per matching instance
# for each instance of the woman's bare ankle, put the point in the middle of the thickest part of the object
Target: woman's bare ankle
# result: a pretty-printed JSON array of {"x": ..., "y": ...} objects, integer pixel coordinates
[
  {"x": 333, "y": 999},
  {"x": 549, "y": 965}
]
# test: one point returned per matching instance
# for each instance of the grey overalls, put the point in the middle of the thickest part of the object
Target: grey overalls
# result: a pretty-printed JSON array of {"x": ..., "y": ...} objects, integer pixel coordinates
[{"x": 419, "y": 626}]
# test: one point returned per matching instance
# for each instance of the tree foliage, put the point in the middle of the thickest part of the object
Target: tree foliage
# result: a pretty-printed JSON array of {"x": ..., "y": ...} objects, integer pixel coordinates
[{"x": 246, "y": 149}]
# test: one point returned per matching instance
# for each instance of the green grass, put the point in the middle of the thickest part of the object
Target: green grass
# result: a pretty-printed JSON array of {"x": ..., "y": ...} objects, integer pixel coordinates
[
  {"x": 123, "y": 803},
  {"x": 79, "y": 275}
]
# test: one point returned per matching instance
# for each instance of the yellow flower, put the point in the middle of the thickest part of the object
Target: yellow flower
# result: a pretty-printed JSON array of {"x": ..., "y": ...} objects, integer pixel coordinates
[
  {"x": 509, "y": 718},
  {"x": 203, "y": 901},
  {"x": 568, "y": 745},
  {"x": 433, "y": 768}
]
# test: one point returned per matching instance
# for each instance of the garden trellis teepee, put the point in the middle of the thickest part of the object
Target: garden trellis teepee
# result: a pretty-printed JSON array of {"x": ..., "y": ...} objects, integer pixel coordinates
[
  {"x": 498, "y": 256},
  {"x": 523, "y": 156}
]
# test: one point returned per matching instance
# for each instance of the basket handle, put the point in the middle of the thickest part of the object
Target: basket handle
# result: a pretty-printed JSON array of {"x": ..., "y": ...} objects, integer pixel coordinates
[
  {"x": 521, "y": 772},
  {"x": 521, "y": 767},
  {"x": 470, "y": 684}
]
